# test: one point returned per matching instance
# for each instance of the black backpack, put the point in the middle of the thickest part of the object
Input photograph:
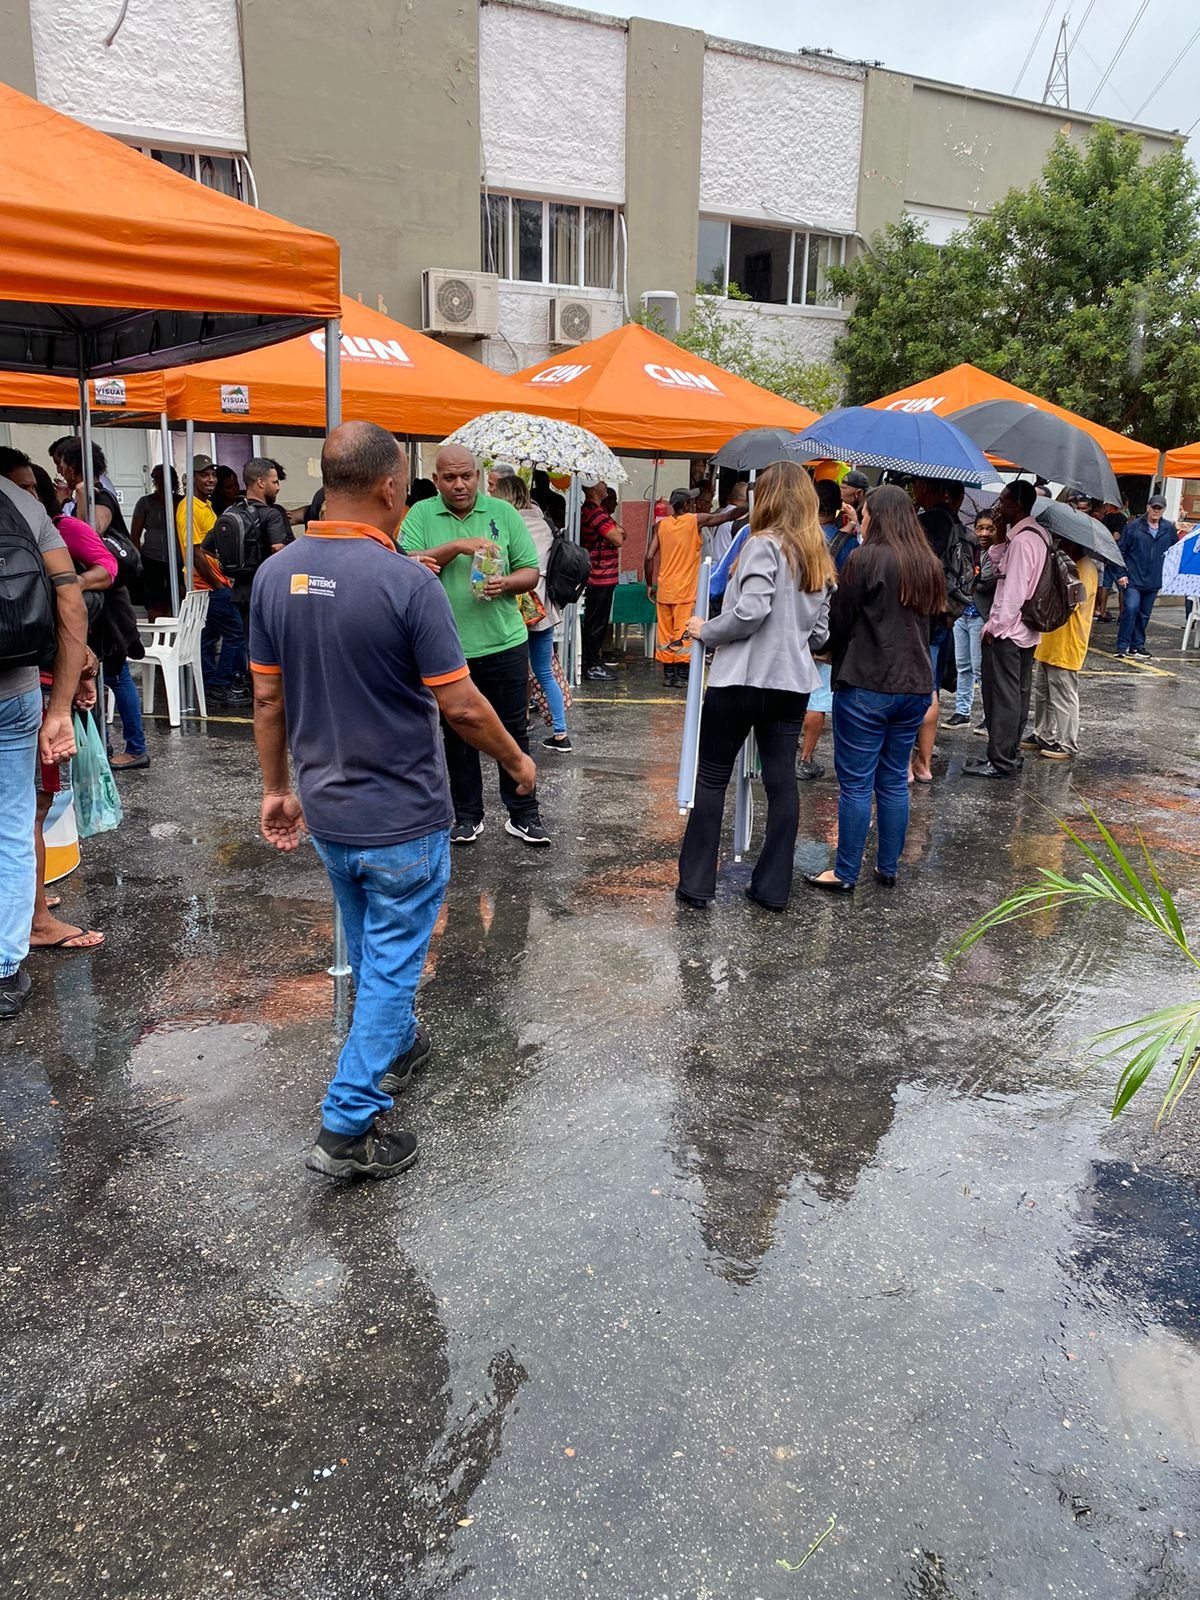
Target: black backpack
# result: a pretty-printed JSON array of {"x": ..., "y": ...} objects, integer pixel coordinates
[
  {"x": 1059, "y": 590},
  {"x": 238, "y": 541},
  {"x": 959, "y": 567},
  {"x": 568, "y": 568},
  {"x": 28, "y": 636},
  {"x": 129, "y": 558}
]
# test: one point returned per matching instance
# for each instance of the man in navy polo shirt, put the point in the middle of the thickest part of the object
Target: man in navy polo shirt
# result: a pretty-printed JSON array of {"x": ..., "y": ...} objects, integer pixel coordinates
[{"x": 354, "y": 653}]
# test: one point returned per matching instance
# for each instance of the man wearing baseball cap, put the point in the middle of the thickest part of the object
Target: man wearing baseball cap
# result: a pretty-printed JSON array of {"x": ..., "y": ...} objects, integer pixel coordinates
[
  {"x": 1144, "y": 543},
  {"x": 223, "y": 625}
]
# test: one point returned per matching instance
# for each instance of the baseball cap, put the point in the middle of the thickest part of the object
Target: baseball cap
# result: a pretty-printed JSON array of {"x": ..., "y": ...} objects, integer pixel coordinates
[
  {"x": 1157, "y": 500},
  {"x": 1076, "y": 495},
  {"x": 203, "y": 463},
  {"x": 856, "y": 480},
  {"x": 680, "y": 497}
]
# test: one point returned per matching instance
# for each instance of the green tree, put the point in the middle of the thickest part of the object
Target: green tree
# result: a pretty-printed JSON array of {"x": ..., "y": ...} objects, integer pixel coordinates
[
  {"x": 746, "y": 344},
  {"x": 1084, "y": 288}
]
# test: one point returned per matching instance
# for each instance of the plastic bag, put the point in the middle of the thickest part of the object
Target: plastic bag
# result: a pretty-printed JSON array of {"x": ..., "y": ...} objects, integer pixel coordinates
[
  {"x": 485, "y": 564},
  {"x": 97, "y": 803}
]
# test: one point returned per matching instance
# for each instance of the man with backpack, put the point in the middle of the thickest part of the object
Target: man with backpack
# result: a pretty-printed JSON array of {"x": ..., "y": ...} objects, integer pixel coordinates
[
  {"x": 248, "y": 531},
  {"x": 43, "y": 624},
  {"x": 1018, "y": 551}
]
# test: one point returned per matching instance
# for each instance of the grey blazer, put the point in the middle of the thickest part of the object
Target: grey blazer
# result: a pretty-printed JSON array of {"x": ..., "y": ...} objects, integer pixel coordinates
[{"x": 762, "y": 637}]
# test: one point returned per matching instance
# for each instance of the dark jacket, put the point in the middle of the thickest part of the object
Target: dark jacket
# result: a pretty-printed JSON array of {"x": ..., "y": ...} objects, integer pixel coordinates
[
  {"x": 877, "y": 643},
  {"x": 1144, "y": 551}
]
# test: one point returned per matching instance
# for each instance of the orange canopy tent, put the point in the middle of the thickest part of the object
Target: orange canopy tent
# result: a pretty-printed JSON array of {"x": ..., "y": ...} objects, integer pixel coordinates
[
  {"x": 641, "y": 393},
  {"x": 37, "y": 396},
  {"x": 144, "y": 268},
  {"x": 966, "y": 385},
  {"x": 1182, "y": 463},
  {"x": 391, "y": 375}
]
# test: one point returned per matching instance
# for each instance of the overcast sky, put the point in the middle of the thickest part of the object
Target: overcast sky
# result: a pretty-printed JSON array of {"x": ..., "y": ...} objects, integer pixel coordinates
[{"x": 982, "y": 45}]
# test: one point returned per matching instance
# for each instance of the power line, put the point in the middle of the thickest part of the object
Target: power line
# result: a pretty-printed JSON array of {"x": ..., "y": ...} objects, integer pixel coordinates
[
  {"x": 1114, "y": 91},
  {"x": 1167, "y": 74},
  {"x": 1036, "y": 41},
  {"x": 1129, "y": 33},
  {"x": 1091, "y": 6}
]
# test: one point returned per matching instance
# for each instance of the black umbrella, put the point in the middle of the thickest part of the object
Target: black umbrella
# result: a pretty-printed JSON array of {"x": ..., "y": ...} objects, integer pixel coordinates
[
  {"x": 1064, "y": 522},
  {"x": 755, "y": 449},
  {"x": 1038, "y": 441}
]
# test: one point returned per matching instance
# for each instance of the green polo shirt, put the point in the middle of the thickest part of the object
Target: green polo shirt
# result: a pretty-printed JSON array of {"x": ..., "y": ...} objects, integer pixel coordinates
[{"x": 485, "y": 626}]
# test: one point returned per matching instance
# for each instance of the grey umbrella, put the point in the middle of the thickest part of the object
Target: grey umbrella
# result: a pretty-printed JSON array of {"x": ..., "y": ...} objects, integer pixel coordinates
[
  {"x": 755, "y": 449},
  {"x": 1064, "y": 522},
  {"x": 1039, "y": 441}
]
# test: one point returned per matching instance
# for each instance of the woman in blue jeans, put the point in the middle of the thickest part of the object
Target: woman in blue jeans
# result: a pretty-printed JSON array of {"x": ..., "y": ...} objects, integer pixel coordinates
[{"x": 879, "y": 621}]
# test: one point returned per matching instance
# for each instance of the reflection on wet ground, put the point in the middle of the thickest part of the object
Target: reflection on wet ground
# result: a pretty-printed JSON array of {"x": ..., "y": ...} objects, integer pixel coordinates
[{"x": 725, "y": 1226}]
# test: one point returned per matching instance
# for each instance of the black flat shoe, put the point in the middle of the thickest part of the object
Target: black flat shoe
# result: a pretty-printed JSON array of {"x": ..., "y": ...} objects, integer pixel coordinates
[
  {"x": 692, "y": 900},
  {"x": 830, "y": 885},
  {"x": 764, "y": 904},
  {"x": 888, "y": 879}
]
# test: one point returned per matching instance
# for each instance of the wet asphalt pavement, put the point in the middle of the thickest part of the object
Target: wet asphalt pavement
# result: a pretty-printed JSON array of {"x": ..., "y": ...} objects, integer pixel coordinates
[{"x": 728, "y": 1230}]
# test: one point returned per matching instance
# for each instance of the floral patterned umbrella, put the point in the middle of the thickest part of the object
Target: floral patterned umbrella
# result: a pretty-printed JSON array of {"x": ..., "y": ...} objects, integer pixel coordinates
[{"x": 526, "y": 441}]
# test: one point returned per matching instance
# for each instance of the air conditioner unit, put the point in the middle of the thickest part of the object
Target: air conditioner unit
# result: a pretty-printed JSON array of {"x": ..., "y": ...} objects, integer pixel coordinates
[
  {"x": 662, "y": 310},
  {"x": 465, "y": 305},
  {"x": 577, "y": 321}
]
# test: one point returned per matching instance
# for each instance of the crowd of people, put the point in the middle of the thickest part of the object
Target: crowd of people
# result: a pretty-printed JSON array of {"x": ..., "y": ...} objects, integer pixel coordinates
[{"x": 381, "y": 682}]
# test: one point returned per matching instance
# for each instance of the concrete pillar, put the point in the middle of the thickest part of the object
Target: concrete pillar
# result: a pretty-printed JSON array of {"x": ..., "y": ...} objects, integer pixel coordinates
[
  {"x": 664, "y": 107},
  {"x": 16, "y": 56},
  {"x": 366, "y": 125},
  {"x": 883, "y": 166}
]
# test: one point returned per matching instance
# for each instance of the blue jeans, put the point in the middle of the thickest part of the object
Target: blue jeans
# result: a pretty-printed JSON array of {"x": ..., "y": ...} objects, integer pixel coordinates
[
  {"x": 873, "y": 737},
  {"x": 389, "y": 897},
  {"x": 541, "y": 656},
  {"x": 129, "y": 709},
  {"x": 224, "y": 622},
  {"x": 939, "y": 648},
  {"x": 968, "y": 656},
  {"x": 20, "y": 719},
  {"x": 1136, "y": 606}
]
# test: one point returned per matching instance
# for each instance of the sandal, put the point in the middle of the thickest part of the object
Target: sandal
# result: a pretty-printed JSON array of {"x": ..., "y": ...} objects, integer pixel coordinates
[{"x": 78, "y": 939}]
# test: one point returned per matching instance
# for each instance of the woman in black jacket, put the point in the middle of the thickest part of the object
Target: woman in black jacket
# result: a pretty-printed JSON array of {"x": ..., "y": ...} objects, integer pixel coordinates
[{"x": 879, "y": 623}]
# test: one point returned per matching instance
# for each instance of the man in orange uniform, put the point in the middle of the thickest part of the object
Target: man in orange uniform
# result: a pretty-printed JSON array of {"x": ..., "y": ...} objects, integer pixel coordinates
[{"x": 676, "y": 543}]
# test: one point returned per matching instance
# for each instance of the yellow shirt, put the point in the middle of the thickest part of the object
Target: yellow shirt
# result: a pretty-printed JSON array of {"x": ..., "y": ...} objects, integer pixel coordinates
[
  {"x": 1068, "y": 646},
  {"x": 204, "y": 520}
]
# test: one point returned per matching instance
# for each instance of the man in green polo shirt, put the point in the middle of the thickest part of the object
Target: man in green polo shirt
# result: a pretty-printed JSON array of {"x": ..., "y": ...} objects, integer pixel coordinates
[{"x": 448, "y": 532}]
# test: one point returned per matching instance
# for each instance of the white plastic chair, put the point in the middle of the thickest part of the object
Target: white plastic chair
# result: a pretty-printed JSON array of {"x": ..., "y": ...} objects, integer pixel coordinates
[
  {"x": 173, "y": 643},
  {"x": 1192, "y": 625}
]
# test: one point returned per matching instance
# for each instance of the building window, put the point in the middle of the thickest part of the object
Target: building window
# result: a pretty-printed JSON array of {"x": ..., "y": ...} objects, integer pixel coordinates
[
  {"x": 772, "y": 266},
  {"x": 548, "y": 241},
  {"x": 227, "y": 174}
]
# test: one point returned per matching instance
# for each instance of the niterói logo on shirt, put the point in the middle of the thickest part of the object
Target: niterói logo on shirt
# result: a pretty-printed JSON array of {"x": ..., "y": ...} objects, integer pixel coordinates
[{"x": 306, "y": 583}]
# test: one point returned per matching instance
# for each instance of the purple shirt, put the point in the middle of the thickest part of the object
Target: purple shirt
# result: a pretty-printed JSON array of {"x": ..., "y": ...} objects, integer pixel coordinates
[{"x": 1019, "y": 563}]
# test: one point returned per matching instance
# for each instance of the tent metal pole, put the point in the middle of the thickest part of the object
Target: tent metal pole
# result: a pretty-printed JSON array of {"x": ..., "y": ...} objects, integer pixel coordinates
[
  {"x": 169, "y": 514},
  {"x": 189, "y": 451},
  {"x": 85, "y": 444},
  {"x": 572, "y": 626},
  {"x": 689, "y": 754},
  {"x": 339, "y": 971}
]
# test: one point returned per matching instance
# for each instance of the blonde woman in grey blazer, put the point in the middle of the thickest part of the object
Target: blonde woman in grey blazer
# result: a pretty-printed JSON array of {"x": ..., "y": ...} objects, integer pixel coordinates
[{"x": 776, "y": 612}]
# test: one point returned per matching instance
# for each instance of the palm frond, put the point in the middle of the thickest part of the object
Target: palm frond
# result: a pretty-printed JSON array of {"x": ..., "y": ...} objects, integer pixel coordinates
[{"x": 1143, "y": 1043}]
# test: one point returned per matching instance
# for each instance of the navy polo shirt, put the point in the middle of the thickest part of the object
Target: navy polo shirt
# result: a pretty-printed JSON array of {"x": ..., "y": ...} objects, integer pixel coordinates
[{"x": 360, "y": 634}]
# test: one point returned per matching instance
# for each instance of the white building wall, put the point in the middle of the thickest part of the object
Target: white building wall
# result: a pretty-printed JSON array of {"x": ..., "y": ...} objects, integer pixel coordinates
[
  {"x": 525, "y": 323},
  {"x": 809, "y": 333},
  {"x": 551, "y": 104},
  {"x": 172, "y": 74},
  {"x": 780, "y": 141}
]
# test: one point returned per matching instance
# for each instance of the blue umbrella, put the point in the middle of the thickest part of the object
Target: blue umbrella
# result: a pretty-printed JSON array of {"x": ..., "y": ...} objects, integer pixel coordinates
[{"x": 903, "y": 441}]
